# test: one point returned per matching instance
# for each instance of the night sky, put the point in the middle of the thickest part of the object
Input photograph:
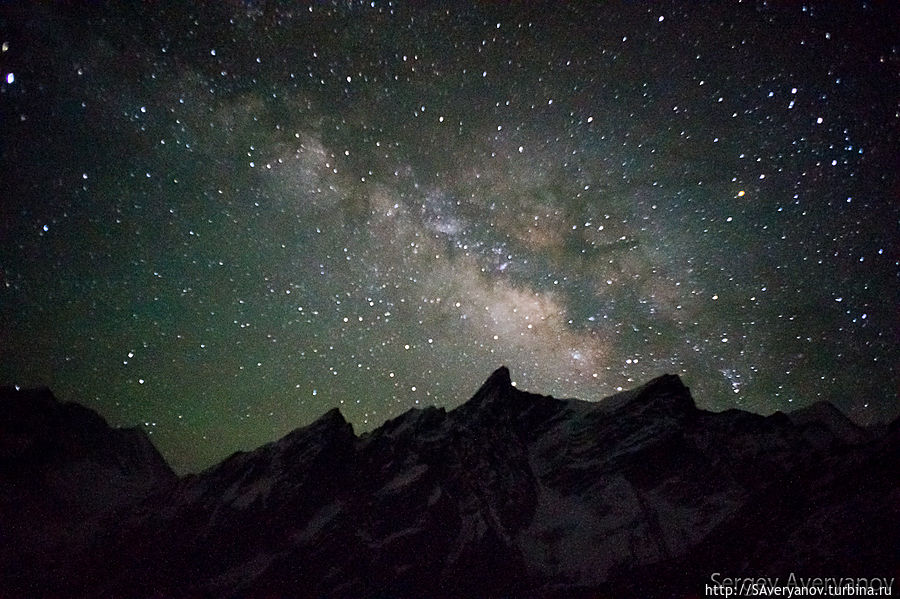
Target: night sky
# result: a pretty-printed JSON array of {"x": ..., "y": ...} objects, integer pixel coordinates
[{"x": 217, "y": 223}]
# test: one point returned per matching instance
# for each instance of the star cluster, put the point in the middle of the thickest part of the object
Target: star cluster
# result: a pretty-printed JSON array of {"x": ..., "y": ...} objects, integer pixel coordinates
[{"x": 222, "y": 220}]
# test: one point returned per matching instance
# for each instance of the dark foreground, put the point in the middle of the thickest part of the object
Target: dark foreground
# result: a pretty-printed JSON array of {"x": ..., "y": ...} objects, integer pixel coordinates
[{"x": 510, "y": 495}]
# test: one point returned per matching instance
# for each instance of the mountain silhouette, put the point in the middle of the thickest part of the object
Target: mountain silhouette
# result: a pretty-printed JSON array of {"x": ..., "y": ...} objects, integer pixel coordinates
[{"x": 512, "y": 494}]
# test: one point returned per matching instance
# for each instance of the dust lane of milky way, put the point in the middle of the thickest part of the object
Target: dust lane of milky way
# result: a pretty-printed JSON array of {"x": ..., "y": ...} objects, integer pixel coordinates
[{"x": 221, "y": 221}]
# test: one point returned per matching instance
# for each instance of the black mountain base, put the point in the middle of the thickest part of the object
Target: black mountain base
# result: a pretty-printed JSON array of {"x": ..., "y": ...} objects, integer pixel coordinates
[{"x": 510, "y": 495}]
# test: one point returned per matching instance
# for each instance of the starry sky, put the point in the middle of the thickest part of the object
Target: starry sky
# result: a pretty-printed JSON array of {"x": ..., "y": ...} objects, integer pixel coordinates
[{"x": 218, "y": 222}]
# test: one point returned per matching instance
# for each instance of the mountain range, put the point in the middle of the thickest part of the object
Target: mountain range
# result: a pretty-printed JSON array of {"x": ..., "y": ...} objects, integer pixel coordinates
[{"x": 511, "y": 494}]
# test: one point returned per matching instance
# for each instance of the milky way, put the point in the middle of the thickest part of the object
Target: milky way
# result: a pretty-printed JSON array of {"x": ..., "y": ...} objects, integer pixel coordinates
[{"x": 219, "y": 222}]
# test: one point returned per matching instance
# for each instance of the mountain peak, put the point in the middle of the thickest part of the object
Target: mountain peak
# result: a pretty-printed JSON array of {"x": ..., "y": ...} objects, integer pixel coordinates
[
  {"x": 666, "y": 391},
  {"x": 330, "y": 424},
  {"x": 332, "y": 416},
  {"x": 499, "y": 384},
  {"x": 499, "y": 379},
  {"x": 824, "y": 415}
]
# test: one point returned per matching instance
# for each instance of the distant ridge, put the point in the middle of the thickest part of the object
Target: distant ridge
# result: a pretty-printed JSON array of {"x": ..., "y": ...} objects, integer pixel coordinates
[{"x": 512, "y": 494}]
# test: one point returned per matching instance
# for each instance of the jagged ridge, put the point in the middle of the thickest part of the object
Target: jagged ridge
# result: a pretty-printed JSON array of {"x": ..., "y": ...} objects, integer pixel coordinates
[{"x": 511, "y": 494}]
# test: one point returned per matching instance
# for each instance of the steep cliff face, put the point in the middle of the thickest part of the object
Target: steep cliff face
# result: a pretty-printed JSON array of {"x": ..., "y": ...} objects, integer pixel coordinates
[
  {"x": 62, "y": 471},
  {"x": 511, "y": 494}
]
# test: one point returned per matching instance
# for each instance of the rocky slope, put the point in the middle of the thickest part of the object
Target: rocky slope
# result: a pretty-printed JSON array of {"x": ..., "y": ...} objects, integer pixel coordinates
[
  {"x": 62, "y": 471},
  {"x": 510, "y": 495}
]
